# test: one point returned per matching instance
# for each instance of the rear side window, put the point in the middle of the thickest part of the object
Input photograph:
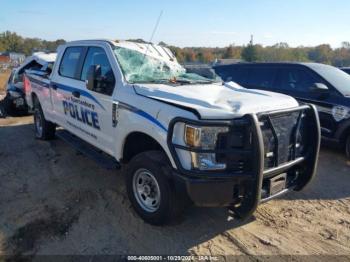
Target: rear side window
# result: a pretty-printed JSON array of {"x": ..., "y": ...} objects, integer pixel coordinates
[
  {"x": 70, "y": 62},
  {"x": 261, "y": 77}
]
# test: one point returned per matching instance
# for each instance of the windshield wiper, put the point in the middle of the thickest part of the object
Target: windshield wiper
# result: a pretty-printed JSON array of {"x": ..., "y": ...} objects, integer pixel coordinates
[
  {"x": 181, "y": 81},
  {"x": 150, "y": 81},
  {"x": 166, "y": 80}
]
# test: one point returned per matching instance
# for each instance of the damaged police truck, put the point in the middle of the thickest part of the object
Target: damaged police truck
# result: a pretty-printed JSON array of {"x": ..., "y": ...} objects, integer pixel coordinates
[{"x": 183, "y": 138}]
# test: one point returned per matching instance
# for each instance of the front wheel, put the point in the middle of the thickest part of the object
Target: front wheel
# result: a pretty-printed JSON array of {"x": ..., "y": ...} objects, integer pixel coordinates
[
  {"x": 44, "y": 130},
  {"x": 347, "y": 147},
  {"x": 149, "y": 189}
]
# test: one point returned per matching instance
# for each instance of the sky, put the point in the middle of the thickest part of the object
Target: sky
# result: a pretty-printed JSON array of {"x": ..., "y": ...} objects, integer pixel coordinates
[{"x": 208, "y": 23}]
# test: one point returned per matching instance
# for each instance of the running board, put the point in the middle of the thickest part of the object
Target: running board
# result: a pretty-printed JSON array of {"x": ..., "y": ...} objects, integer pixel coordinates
[{"x": 101, "y": 158}]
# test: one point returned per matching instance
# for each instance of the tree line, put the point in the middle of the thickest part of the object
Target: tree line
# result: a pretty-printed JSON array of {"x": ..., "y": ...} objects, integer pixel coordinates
[
  {"x": 10, "y": 41},
  {"x": 257, "y": 53}
]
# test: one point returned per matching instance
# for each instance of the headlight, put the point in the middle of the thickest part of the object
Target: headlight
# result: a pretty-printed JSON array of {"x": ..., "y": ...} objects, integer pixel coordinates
[
  {"x": 15, "y": 94},
  {"x": 203, "y": 137},
  {"x": 197, "y": 138}
]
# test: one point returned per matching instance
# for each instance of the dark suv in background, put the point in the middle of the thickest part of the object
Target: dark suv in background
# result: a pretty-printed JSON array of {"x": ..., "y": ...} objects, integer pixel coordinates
[
  {"x": 325, "y": 86},
  {"x": 346, "y": 69}
]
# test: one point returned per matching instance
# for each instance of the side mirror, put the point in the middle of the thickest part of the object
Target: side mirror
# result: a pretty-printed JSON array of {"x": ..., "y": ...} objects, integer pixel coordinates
[
  {"x": 319, "y": 88},
  {"x": 94, "y": 75}
]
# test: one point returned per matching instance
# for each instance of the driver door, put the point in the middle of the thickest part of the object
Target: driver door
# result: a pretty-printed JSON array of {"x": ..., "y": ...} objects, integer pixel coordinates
[{"x": 101, "y": 95}]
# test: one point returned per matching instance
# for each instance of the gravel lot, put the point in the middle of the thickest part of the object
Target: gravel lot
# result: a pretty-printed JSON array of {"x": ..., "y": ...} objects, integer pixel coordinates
[{"x": 54, "y": 200}]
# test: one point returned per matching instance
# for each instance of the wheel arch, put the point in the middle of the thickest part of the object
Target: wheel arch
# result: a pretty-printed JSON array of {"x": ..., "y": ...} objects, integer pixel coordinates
[
  {"x": 34, "y": 98},
  {"x": 137, "y": 142}
]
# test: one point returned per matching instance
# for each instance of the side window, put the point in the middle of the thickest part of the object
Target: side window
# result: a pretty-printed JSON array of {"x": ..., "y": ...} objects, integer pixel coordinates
[
  {"x": 96, "y": 56},
  {"x": 261, "y": 77},
  {"x": 232, "y": 73},
  {"x": 70, "y": 62},
  {"x": 295, "y": 79}
]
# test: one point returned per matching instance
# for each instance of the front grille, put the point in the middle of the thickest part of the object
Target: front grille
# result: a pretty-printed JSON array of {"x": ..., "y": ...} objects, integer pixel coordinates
[
  {"x": 283, "y": 137},
  {"x": 238, "y": 138}
]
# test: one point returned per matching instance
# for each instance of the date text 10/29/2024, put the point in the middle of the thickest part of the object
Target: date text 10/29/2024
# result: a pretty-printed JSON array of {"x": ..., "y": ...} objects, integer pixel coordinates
[{"x": 172, "y": 258}]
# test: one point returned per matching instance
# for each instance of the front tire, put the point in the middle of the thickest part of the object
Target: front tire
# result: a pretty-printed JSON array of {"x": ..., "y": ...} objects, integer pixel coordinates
[
  {"x": 44, "y": 130},
  {"x": 150, "y": 190}
]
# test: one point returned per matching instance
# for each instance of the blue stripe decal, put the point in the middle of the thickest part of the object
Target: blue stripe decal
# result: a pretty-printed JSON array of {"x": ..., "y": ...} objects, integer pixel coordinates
[
  {"x": 141, "y": 113},
  {"x": 82, "y": 93},
  {"x": 150, "y": 118},
  {"x": 38, "y": 82}
]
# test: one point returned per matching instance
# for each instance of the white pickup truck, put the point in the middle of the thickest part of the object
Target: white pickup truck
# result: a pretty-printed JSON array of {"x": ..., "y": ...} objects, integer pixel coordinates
[{"x": 182, "y": 137}]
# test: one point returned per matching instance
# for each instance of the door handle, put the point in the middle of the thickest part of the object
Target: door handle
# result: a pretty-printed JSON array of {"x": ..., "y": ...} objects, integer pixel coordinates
[
  {"x": 54, "y": 86},
  {"x": 76, "y": 94}
]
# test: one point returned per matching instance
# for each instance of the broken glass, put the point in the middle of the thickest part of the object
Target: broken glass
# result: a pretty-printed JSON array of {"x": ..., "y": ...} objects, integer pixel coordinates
[{"x": 138, "y": 67}]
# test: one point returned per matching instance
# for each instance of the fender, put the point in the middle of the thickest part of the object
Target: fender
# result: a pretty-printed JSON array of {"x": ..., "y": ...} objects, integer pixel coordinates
[{"x": 139, "y": 123}]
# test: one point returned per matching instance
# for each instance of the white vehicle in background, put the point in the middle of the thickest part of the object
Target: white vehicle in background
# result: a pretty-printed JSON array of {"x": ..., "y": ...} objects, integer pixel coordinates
[
  {"x": 182, "y": 137},
  {"x": 41, "y": 63}
]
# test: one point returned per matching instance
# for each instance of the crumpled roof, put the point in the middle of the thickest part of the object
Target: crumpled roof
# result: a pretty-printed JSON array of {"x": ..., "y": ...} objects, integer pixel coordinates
[{"x": 41, "y": 58}]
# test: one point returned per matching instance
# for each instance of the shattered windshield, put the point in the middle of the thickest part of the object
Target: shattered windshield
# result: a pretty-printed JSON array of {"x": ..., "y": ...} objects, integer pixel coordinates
[{"x": 140, "y": 68}]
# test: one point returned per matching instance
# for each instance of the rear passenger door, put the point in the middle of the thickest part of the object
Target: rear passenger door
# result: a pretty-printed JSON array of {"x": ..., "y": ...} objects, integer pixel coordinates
[
  {"x": 64, "y": 82},
  {"x": 83, "y": 112}
]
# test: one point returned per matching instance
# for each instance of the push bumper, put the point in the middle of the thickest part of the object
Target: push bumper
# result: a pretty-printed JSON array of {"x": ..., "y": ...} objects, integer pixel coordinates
[
  {"x": 243, "y": 192},
  {"x": 208, "y": 192}
]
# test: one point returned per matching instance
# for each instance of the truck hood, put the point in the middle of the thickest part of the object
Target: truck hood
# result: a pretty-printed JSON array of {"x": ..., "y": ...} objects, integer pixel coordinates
[{"x": 217, "y": 101}]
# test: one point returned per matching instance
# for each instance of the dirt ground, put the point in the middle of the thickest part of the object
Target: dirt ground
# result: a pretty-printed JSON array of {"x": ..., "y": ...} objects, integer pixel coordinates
[
  {"x": 54, "y": 200},
  {"x": 4, "y": 76}
]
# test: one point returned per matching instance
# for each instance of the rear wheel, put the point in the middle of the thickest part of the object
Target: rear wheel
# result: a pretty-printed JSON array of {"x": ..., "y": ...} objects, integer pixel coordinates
[
  {"x": 150, "y": 190},
  {"x": 44, "y": 130}
]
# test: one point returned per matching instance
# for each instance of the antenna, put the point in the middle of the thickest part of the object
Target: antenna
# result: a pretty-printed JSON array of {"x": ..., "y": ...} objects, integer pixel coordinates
[
  {"x": 154, "y": 32},
  {"x": 156, "y": 26},
  {"x": 150, "y": 40}
]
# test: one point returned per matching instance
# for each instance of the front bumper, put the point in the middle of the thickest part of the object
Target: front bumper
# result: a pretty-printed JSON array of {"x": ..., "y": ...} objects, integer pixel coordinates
[{"x": 243, "y": 191}]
